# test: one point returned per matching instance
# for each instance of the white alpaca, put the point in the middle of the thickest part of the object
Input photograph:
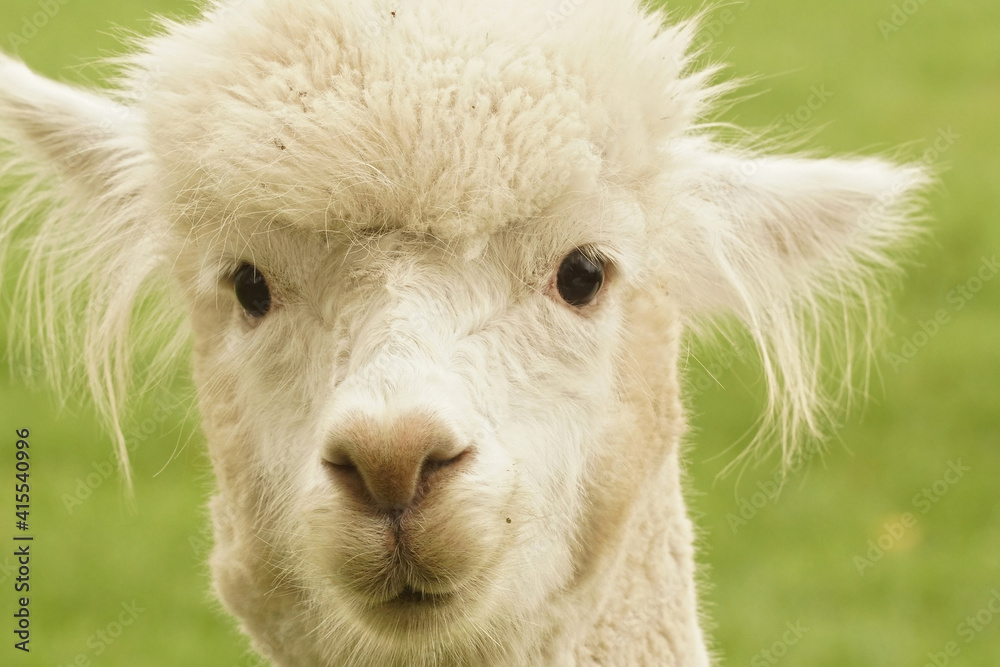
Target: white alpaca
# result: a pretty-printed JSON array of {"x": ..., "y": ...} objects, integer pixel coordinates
[{"x": 437, "y": 258}]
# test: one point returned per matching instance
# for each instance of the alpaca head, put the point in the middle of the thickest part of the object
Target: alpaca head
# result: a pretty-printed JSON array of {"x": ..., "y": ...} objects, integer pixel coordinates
[{"x": 411, "y": 241}]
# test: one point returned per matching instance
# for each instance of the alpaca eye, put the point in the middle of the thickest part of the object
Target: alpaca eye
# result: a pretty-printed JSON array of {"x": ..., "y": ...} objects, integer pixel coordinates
[
  {"x": 252, "y": 291},
  {"x": 579, "y": 279}
]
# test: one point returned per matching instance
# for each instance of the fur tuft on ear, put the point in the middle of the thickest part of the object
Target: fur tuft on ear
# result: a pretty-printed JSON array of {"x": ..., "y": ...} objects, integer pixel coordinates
[
  {"x": 799, "y": 250},
  {"x": 73, "y": 167}
]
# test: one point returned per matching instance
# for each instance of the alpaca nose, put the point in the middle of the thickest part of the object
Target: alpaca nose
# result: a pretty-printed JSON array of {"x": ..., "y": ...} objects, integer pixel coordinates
[{"x": 392, "y": 465}]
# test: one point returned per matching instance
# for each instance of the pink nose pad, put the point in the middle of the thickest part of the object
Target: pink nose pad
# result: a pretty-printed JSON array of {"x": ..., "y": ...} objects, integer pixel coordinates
[{"x": 392, "y": 465}]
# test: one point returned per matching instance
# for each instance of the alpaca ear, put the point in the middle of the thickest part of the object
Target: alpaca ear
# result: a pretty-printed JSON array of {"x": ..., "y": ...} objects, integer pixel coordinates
[
  {"x": 795, "y": 248},
  {"x": 81, "y": 136},
  {"x": 84, "y": 239},
  {"x": 753, "y": 230}
]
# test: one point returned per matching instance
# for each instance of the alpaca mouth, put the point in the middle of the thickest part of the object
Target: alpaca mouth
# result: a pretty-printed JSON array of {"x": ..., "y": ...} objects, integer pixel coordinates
[{"x": 411, "y": 596}]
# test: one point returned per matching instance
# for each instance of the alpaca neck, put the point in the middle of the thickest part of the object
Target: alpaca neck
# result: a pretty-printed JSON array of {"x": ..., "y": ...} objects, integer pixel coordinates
[{"x": 635, "y": 603}]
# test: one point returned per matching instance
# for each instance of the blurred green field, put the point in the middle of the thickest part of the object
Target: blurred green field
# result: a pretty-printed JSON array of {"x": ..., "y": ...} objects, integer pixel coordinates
[{"x": 879, "y": 76}]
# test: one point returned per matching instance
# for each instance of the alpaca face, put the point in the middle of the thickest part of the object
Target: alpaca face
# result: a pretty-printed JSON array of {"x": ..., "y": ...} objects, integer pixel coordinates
[{"x": 405, "y": 428}]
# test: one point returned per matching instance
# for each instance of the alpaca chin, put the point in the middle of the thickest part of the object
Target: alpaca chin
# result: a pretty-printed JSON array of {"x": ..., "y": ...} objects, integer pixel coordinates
[{"x": 432, "y": 560}]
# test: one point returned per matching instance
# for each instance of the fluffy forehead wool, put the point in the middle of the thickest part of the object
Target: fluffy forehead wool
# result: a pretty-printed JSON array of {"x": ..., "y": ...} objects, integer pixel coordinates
[{"x": 449, "y": 117}]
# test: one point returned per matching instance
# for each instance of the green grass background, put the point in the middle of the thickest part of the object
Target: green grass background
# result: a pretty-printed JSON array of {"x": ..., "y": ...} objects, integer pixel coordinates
[{"x": 793, "y": 561}]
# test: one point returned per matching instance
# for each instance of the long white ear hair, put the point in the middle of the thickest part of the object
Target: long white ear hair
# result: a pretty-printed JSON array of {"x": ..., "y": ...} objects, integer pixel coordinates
[
  {"x": 801, "y": 252},
  {"x": 74, "y": 215}
]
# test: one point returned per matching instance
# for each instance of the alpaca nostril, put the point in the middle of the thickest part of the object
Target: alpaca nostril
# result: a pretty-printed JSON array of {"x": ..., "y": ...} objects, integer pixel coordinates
[
  {"x": 433, "y": 464},
  {"x": 346, "y": 468},
  {"x": 392, "y": 464},
  {"x": 346, "y": 474},
  {"x": 338, "y": 457}
]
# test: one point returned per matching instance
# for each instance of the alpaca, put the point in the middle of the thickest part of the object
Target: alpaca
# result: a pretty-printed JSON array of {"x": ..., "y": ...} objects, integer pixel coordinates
[{"x": 434, "y": 263}]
